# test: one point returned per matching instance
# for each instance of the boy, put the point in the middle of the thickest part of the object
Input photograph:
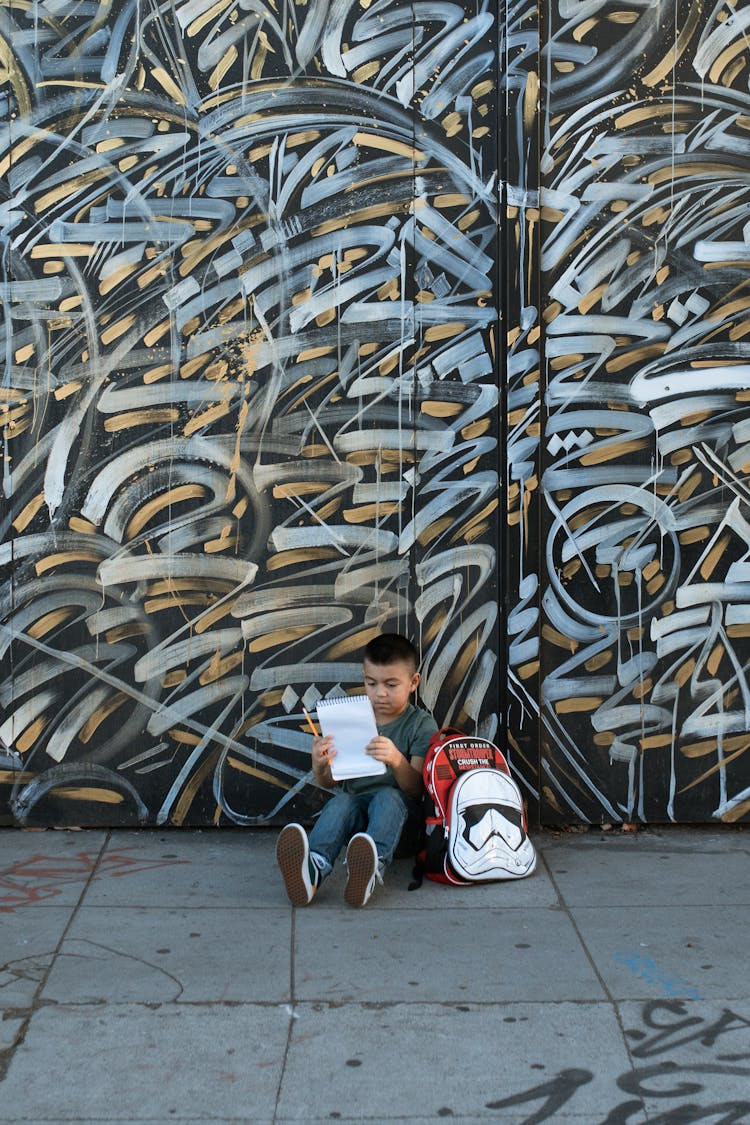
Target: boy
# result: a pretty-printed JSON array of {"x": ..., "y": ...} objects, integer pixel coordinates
[{"x": 367, "y": 813}]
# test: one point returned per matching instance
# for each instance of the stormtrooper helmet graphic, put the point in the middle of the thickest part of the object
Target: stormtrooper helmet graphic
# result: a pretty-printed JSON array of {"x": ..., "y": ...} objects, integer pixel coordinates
[{"x": 488, "y": 836}]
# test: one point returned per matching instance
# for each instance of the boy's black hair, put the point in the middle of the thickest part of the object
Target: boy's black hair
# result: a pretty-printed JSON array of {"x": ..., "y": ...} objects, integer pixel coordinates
[{"x": 387, "y": 648}]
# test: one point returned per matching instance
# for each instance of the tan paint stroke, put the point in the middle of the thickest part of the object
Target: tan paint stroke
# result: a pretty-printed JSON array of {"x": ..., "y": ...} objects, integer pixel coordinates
[
  {"x": 692, "y": 19},
  {"x": 169, "y": 499},
  {"x": 88, "y": 794}
]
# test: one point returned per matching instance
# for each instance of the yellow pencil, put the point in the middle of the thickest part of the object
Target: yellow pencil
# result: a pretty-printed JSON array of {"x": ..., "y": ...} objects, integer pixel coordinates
[{"x": 310, "y": 723}]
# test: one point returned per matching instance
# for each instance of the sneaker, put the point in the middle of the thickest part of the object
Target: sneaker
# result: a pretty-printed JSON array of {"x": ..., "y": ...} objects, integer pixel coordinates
[
  {"x": 301, "y": 876},
  {"x": 362, "y": 868}
]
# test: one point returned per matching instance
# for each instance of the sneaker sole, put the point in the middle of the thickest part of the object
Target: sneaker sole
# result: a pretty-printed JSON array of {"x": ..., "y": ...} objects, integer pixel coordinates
[
  {"x": 362, "y": 864},
  {"x": 291, "y": 854}
]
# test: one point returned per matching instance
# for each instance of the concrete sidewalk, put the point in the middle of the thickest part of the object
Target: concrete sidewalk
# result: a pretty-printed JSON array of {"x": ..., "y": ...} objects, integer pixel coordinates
[{"x": 161, "y": 976}]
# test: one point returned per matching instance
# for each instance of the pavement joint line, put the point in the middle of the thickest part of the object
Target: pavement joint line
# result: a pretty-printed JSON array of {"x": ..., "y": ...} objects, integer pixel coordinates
[
  {"x": 322, "y": 1002},
  {"x": 381, "y": 909},
  {"x": 602, "y": 983},
  {"x": 497, "y": 907},
  {"x": 6, "y": 1056},
  {"x": 292, "y": 1010}
]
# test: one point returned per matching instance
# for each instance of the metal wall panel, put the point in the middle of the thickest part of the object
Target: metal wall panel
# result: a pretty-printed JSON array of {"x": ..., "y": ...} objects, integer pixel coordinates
[
  {"x": 645, "y": 275},
  {"x": 250, "y": 391}
]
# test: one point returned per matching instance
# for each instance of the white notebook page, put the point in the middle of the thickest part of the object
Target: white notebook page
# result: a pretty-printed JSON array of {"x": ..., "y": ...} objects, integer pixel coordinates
[{"x": 351, "y": 721}]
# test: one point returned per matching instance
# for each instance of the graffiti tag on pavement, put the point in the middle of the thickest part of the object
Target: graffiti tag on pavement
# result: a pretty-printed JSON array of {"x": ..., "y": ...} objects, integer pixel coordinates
[
  {"x": 683, "y": 1060},
  {"x": 42, "y": 877}
]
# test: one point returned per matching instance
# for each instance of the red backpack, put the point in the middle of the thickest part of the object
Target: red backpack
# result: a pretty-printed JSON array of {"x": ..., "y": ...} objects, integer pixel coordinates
[{"x": 475, "y": 820}]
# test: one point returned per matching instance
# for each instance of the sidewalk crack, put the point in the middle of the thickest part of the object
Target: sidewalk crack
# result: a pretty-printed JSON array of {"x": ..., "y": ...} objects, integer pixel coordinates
[
  {"x": 6, "y": 1055},
  {"x": 291, "y": 1008}
]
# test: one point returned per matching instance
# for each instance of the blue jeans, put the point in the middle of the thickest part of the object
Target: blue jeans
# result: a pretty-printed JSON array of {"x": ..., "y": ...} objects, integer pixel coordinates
[{"x": 382, "y": 814}]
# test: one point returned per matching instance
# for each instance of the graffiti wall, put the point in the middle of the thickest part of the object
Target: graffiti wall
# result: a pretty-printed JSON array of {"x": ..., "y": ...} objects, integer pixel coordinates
[
  {"x": 644, "y": 266},
  {"x": 321, "y": 319},
  {"x": 250, "y": 392}
]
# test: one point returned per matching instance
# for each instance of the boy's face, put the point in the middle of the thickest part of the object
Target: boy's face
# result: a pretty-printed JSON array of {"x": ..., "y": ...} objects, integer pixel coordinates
[{"x": 388, "y": 688}]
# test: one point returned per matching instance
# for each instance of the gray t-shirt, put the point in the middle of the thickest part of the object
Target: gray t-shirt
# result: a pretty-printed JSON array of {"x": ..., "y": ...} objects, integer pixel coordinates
[{"x": 410, "y": 733}]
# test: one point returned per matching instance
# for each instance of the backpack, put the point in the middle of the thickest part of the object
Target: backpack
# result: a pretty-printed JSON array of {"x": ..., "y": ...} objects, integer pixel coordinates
[{"x": 475, "y": 821}]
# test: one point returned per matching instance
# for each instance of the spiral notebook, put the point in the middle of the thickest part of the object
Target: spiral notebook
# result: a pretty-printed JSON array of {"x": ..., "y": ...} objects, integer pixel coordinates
[{"x": 351, "y": 721}]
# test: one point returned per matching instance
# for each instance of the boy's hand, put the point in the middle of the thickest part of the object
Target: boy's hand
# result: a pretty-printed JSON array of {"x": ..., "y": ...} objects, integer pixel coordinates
[
  {"x": 323, "y": 751},
  {"x": 385, "y": 751}
]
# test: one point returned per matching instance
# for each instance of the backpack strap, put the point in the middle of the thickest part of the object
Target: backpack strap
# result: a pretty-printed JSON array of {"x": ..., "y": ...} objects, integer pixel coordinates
[{"x": 417, "y": 874}]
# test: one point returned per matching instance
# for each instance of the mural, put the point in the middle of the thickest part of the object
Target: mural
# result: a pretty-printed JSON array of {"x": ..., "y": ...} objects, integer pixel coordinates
[
  {"x": 303, "y": 304},
  {"x": 645, "y": 273},
  {"x": 250, "y": 401}
]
